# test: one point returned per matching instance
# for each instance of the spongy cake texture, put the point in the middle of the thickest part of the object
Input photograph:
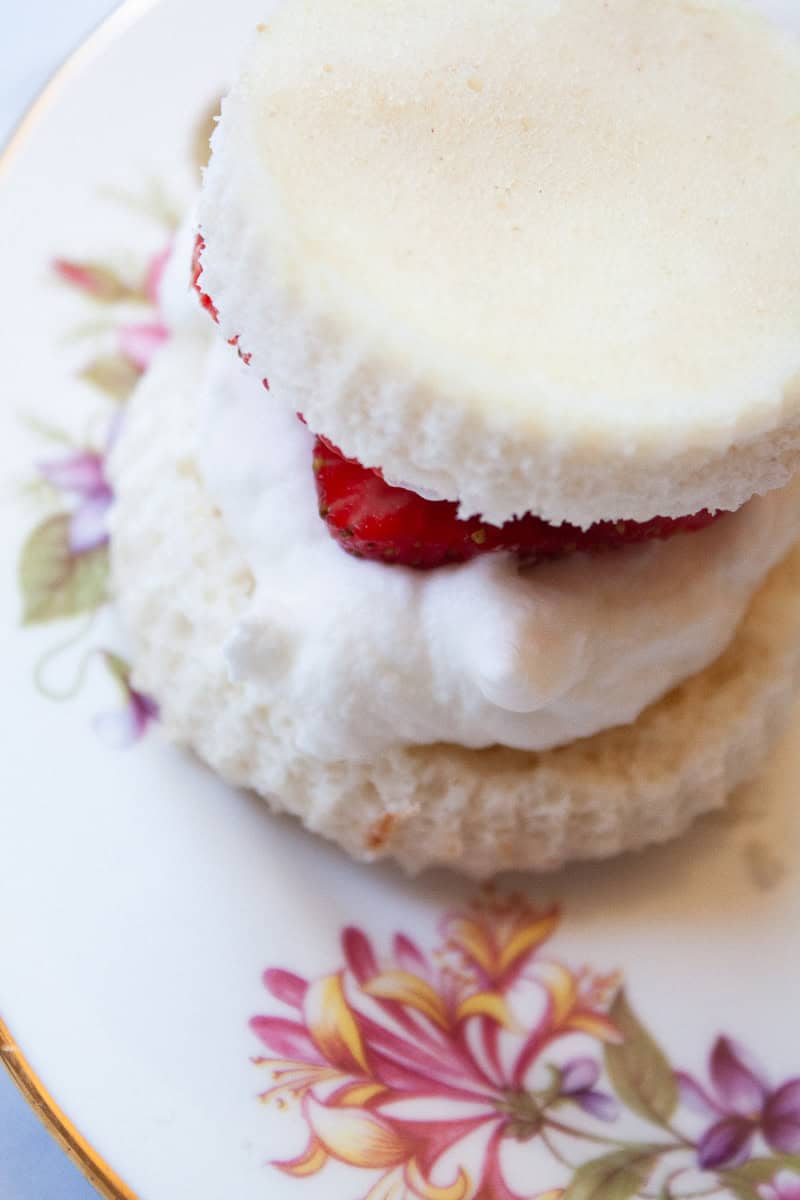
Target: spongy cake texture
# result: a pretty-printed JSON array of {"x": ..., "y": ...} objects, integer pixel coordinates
[
  {"x": 181, "y": 583},
  {"x": 530, "y": 256}
]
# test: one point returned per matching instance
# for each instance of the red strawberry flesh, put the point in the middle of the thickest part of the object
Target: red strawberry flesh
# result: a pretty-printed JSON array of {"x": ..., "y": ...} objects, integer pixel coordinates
[
  {"x": 208, "y": 304},
  {"x": 371, "y": 519},
  {"x": 197, "y": 271}
]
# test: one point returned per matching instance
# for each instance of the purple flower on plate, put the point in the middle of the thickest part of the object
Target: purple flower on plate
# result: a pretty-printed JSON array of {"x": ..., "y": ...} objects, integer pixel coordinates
[
  {"x": 125, "y": 726},
  {"x": 742, "y": 1103},
  {"x": 83, "y": 475},
  {"x": 578, "y": 1084},
  {"x": 784, "y": 1186}
]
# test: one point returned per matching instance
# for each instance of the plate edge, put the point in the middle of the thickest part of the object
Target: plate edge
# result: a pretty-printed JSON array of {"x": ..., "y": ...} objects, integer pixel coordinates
[
  {"x": 107, "y": 30},
  {"x": 55, "y": 1120}
]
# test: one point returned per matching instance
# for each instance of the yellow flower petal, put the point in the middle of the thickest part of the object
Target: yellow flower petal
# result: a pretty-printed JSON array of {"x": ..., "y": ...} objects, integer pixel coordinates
[
  {"x": 359, "y": 1094},
  {"x": 597, "y": 1025},
  {"x": 533, "y": 933},
  {"x": 553, "y": 1194},
  {"x": 389, "y": 1187},
  {"x": 562, "y": 989},
  {"x": 355, "y": 1137},
  {"x": 487, "y": 1004},
  {"x": 411, "y": 990},
  {"x": 428, "y": 1191},
  {"x": 332, "y": 1025},
  {"x": 474, "y": 939},
  {"x": 313, "y": 1159}
]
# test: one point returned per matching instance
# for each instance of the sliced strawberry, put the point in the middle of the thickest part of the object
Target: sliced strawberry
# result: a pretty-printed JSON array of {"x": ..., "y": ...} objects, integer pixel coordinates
[
  {"x": 209, "y": 305},
  {"x": 372, "y": 520},
  {"x": 243, "y": 355},
  {"x": 197, "y": 270}
]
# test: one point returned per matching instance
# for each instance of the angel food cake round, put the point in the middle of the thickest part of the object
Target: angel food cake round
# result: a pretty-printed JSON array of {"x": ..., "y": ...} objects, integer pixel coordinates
[{"x": 458, "y": 515}]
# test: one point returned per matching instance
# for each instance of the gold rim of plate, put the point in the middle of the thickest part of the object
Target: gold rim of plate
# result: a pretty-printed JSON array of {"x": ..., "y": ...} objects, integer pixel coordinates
[{"x": 71, "y": 1140}]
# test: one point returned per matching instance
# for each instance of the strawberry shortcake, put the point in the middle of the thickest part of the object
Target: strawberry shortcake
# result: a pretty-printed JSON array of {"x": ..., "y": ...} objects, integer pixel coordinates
[{"x": 458, "y": 515}]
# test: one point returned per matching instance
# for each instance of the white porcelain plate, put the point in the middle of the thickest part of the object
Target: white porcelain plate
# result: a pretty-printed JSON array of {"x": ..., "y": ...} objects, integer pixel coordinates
[{"x": 206, "y": 991}]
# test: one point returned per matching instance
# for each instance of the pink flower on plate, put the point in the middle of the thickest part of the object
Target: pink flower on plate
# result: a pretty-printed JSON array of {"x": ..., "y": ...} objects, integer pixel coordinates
[
  {"x": 742, "y": 1103},
  {"x": 94, "y": 279},
  {"x": 141, "y": 341},
  {"x": 102, "y": 282},
  {"x": 418, "y": 1066},
  {"x": 125, "y": 726},
  {"x": 784, "y": 1186},
  {"x": 138, "y": 341},
  {"x": 83, "y": 475}
]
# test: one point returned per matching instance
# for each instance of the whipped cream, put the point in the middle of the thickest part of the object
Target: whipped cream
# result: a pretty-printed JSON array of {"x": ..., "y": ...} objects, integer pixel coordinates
[
  {"x": 488, "y": 652},
  {"x": 365, "y": 656}
]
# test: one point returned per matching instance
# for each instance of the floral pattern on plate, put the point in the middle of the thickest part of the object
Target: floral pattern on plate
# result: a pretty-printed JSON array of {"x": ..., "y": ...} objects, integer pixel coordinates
[
  {"x": 468, "y": 1072},
  {"x": 64, "y": 562}
]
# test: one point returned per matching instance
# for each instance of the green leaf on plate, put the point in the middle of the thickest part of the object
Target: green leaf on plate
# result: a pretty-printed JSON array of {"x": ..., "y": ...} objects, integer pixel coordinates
[
  {"x": 639, "y": 1070},
  {"x": 48, "y": 431},
  {"x": 152, "y": 201},
  {"x": 97, "y": 280},
  {"x": 743, "y": 1182},
  {"x": 616, "y": 1176},
  {"x": 56, "y": 583},
  {"x": 119, "y": 670},
  {"x": 113, "y": 374}
]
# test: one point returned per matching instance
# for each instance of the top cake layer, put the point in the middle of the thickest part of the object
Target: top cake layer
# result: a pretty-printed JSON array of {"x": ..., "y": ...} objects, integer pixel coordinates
[{"x": 531, "y": 255}]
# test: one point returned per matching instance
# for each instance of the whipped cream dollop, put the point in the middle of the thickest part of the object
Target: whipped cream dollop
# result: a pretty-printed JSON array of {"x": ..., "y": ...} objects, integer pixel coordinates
[{"x": 489, "y": 652}]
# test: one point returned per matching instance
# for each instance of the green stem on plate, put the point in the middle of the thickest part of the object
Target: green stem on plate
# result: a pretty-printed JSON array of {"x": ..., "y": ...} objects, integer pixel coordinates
[{"x": 55, "y": 652}]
